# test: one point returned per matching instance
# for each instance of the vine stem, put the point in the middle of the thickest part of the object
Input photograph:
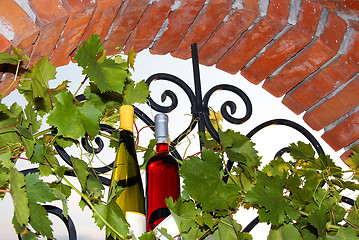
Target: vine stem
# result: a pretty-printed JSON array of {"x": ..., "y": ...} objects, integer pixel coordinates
[
  {"x": 3, "y": 190},
  {"x": 13, "y": 82},
  {"x": 43, "y": 132},
  {"x": 109, "y": 137},
  {"x": 84, "y": 196}
]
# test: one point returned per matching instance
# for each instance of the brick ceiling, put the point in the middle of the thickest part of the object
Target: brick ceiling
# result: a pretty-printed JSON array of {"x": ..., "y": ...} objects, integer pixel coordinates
[{"x": 306, "y": 51}]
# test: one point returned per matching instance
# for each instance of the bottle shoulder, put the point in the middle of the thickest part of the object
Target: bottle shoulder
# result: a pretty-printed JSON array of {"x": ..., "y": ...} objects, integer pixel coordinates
[{"x": 163, "y": 157}]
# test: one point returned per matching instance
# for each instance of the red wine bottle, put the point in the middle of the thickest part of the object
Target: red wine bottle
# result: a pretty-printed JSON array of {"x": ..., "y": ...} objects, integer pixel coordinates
[{"x": 162, "y": 177}]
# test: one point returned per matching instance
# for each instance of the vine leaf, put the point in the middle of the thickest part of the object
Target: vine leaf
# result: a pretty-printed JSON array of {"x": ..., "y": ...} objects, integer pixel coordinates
[
  {"x": 5, "y": 159},
  {"x": 286, "y": 231},
  {"x": 135, "y": 93},
  {"x": 71, "y": 120},
  {"x": 80, "y": 168},
  {"x": 112, "y": 214},
  {"x": 106, "y": 74},
  {"x": 345, "y": 233},
  {"x": 8, "y": 58},
  {"x": 319, "y": 219},
  {"x": 230, "y": 229},
  {"x": 267, "y": 193},
  {"x": 39, "y": 219},
  {"x": 184, "y": 213},
  {"x": 39, "y": 76},
  {"x": 19, "y": 197},
  {"x": 212, "y": 193},
  {"x": 131, "y": 58},
  {"x": 37, "y": 190},
  {"x": 240, "y": 149}
]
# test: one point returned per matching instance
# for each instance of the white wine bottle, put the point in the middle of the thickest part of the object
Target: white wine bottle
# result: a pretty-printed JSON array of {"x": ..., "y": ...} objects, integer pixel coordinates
[
  {"x": 162, "y": 177},
  {"x": 126, "y": 173}
]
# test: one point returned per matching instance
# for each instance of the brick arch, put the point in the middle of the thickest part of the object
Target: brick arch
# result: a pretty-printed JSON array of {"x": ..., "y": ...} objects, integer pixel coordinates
[{"x": 306, "y": 51}]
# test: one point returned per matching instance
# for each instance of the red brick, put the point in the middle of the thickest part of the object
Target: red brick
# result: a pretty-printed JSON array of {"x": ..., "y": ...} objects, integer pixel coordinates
[
  {"x": 344, "y": 133},
  {"x": 178, "y": 23},
  {"x": 251, "y": 5},
  {"x": 335, "y": 74},
  {"x": 125, "y": 21},
  {"x": 149, "y": 25},
  {"x": 102, "y": 18},
  {"x": 80, "y": 13},
  {"x": 226, "y": 35},
  {"x": 5, "y": 44},
  {"x": 286, "y": 46},
  {"x": 335, "y": 107},
  {"x": 18, "y": 23},
  {"x": 311, "y": 59},
  {"x": 252, "y": 41},
  {"x": 50, "y": 18},
  {"x": 207, "y": 21}
]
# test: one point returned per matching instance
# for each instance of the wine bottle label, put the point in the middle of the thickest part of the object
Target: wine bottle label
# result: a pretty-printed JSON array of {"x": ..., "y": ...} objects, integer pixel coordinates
[{"x": 137, "y": 223}]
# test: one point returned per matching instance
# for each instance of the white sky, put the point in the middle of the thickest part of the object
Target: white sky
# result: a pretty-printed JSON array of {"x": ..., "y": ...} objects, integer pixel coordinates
[{"x": 265, "y": 107}]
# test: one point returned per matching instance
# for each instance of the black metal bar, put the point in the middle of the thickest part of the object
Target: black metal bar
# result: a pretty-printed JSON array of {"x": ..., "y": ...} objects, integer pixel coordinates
[{"x": 198, "y": 110}]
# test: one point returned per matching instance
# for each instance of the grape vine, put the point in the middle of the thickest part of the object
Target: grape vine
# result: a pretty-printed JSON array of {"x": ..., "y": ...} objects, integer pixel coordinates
[{"x": 301, "y": 198}]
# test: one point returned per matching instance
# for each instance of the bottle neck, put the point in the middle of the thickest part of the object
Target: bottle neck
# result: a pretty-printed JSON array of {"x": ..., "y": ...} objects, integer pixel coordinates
[{"x": 162, "y": 148}]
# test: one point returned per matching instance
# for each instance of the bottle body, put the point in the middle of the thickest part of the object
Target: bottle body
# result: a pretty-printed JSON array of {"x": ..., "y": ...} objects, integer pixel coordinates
[
  {"x": 162, "y": 179},
  {"x": 126, "y": 173}
]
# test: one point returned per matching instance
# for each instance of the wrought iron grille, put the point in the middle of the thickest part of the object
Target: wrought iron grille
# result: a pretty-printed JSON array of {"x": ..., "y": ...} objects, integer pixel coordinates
[{"x": 200, "y": 117}]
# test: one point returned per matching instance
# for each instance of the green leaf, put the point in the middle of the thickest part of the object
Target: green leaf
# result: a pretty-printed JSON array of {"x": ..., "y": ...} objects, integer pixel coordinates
[
  {"x": 8, "y": 58},
  {"x": 240, "y": 149},
  {"x": 212, "y": 193},
  {"x": 319, "y": 218},
  {"x": 94, "y": 187},
  {"x": 276, "y": 167},
  {"x": 113, "y": 214},
  {"x": 230, "y": 229},
  {"x": 4, "y": 181},
  {"x": 284, "y": 232},
  {"x": 38, "y": 190},
  {"x": 39, "y": 152},
  {"x": 80, "y": 168},
  {"x": 163, "y": 232},
  {"x": 345, "y": 233},
  {"x": 45, "y": 170},
  {"x": 62, "y": 192},
  {"x": 107, "y": 74},
  {"x": 184, "y": 213},
  {"x": 149, "y": 153},
  {"x": 302, "y": 151},
  {"x": 39, "y": 76},
  {"x": 89, "y": 116},
  {"x": 131, "y": 58},
  {"x": 84, "y": 118},
  {"x": 135, "y": 93},
  {"x": 268, "y": 194},
  {"x": 39, "y": 219},
  {"x": 148, "y": 236},
  {"x": 67, "y": 126},
  {"x": 353, "y": 160},
  {"x": 19, "y": 197},
  {"x": 5, "y": 158}
]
